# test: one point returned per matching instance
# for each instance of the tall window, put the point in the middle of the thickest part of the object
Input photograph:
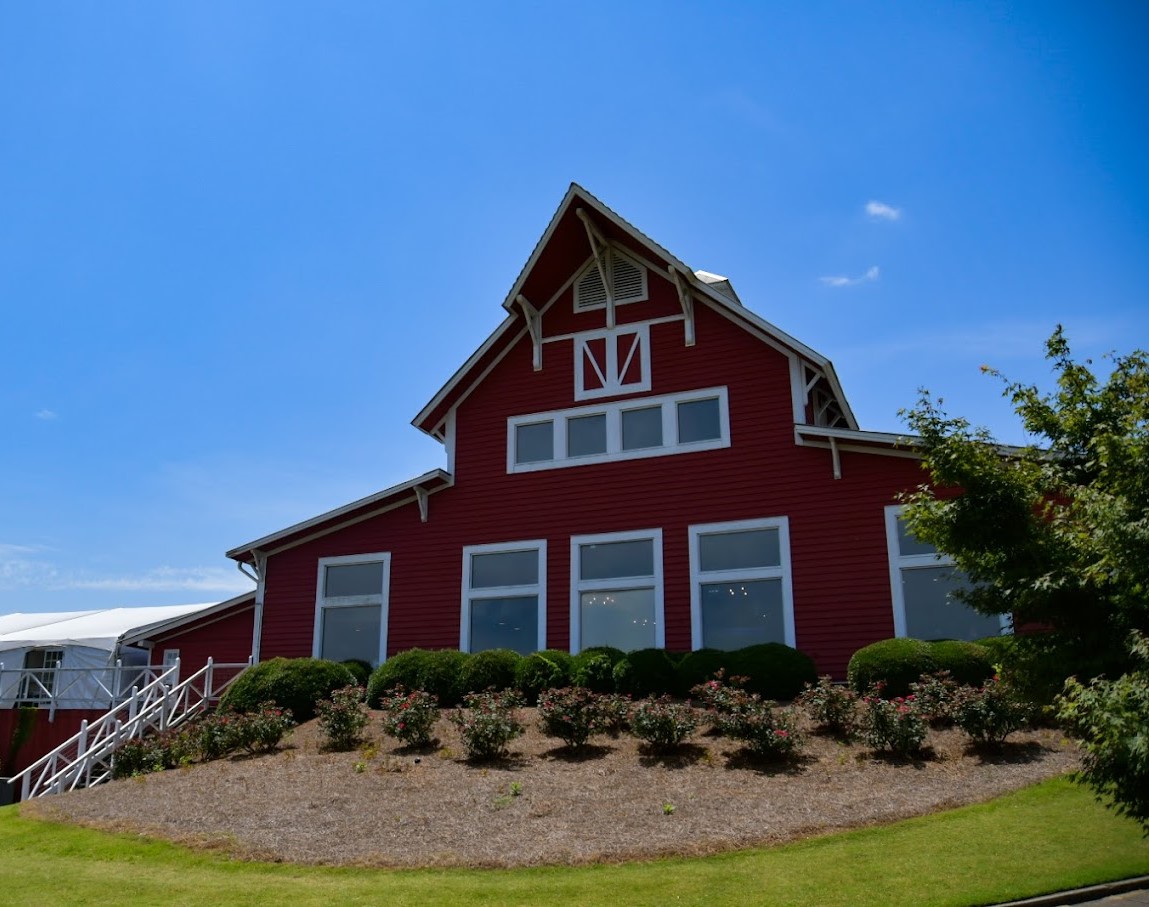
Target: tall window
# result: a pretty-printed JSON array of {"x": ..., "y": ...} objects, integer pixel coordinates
[
  {"x": 39, "y": 682},
  {"x": 616, "y": 590},
  {"x": 504, "y": 597},
  {"x": 923, "y": 581},
  {"x": 740, "y": 592},
  {"x": 351, "y": 608}
]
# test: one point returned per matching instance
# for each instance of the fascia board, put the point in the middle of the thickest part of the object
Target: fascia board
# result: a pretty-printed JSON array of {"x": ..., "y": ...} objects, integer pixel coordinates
[{"x": 138, "y": 634}]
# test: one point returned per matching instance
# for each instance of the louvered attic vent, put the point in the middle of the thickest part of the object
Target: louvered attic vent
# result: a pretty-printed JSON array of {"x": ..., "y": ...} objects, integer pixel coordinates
[{"x": 629, "y": 282}]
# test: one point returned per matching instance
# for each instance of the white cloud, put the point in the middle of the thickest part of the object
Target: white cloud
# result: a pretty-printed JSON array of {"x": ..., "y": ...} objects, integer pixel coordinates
[
  {"x": 871, "y": 274},
  {"x": 47, "y": 415},
  {"x": 169, "y": 579},
  {"x": 882, "y": 211}
]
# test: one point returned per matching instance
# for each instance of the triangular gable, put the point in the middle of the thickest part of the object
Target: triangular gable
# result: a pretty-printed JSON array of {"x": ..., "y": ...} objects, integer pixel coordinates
[{"x": 560, "y": 256}]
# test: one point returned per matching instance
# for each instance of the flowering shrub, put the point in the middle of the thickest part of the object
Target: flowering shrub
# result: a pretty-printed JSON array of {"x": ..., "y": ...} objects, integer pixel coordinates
[
  {"x": 663, "y": 724},
  {"x": 894, "y": 725},
  {"x": 990, "y": 713},
  {"x": 831, "y": 706},
  {"x": 137, "y": 757},
  {"x": 573, "y": 714},
  {"x": 768, "y": 733},
  {"x": 615, "y": 711},
  {"x": 262, "y": 731},
  {"x": 488, "y": 723},
  {"x": 410, "y": 717},
  {"x": 936, "y": 696},
  {"x": 342, "y": 718},
  {"x": 216, "y": 735}
]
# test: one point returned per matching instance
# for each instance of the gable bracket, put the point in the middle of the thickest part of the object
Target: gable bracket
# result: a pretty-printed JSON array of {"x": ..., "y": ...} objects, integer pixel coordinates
[
  {"x": 686, "y": 300},
  {"x": 601, "y": 250},
  {"x": 535, "y": 327},
  {"x": 421, "y": 497}
]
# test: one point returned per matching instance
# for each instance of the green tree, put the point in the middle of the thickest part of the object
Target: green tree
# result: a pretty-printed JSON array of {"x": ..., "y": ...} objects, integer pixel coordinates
[{"x": 1055, "y": 533}]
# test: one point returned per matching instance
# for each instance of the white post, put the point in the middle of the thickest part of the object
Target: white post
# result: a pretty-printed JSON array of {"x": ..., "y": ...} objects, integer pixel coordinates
[
  {"x": 133, "y": 703},
  {"x": 209, "y": 677}
]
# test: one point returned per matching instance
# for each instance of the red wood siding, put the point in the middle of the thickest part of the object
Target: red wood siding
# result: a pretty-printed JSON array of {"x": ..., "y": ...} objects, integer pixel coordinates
[
  {"x": 837, "y": 534},
  {"x": 225, "y": 638},
  {"x": 46, "y": 735}
]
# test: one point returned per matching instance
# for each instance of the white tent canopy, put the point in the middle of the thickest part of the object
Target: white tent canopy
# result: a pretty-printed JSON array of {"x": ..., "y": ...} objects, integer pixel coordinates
[{"x": 74, "y": 654}]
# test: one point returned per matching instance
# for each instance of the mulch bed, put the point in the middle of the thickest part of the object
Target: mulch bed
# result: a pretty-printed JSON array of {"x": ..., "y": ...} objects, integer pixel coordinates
[{"x": 389, "y": 806}]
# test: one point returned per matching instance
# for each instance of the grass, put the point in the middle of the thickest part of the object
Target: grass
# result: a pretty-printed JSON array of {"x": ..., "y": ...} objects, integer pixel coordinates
[{"x": 1040, "y": 839}]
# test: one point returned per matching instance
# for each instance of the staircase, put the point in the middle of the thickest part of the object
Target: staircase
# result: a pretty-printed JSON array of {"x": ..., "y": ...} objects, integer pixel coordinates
[{"x": 87, "y": 758}]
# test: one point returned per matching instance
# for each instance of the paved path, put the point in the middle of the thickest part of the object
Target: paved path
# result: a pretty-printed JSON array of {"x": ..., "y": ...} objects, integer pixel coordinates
[{"x": 1129, "y": 893}]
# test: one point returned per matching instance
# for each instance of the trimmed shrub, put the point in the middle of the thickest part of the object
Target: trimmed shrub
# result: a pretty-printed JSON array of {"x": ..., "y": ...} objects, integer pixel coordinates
[
  {"x": 968, "y": 662},
  {"x": 774, "y": 670},
  {"x": 295, "y": 684},
  {"x": 893, "y": 725},
  {"x": 768, "y": 733},
  {"x": 593, "y": 668},
  {"x": 440, "y": 672},
  {"x": 895, "y": 662},
  {"x": 696, "y": 668},
  {"x": 664, "y": 725},
  {"x": 990, "y": 713},
  {"x": 488, "y": 723},
  {"x": 492, "y": 668},
  {"x": 1001, "y": 648},
  {"x": 571, "y": 714},
  {"x": 400, "y": 670},
  {"x": 342, "y": 718},
  {"x": 360, "y": 668},
  {"x": 410, "y": 717},
  {"x": 546, "y": 670},
  {"x": 646, "y": 672},
  {"x": 833, "y": 707}
]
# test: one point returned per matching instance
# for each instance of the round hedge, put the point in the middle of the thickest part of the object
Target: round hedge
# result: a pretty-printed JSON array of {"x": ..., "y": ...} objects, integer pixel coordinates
[
  {"x": 699, "y": 667},
  {"x": 1002, "y": 649},
  {"x": 291, "y": 683},
  {"x": 440, "y": 671},
  {"x": 360, "y": 668},
  {"x": 645, "y": 672},
  {"x": 968, "y": 662},
  {"x": 593, "y": 668},
  {"x": 491, "y": 668},
  {"x": 898, "y": 662},
  {"x": 403, "y": 669},
  {"x": 775, "y": 670},
  {"x": 549, "y": 669}
]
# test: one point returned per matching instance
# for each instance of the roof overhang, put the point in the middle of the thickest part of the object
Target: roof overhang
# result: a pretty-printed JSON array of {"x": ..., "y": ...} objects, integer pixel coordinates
[
  {"x": 164, "y": 627},
  {"x": 409, "y": 492}
]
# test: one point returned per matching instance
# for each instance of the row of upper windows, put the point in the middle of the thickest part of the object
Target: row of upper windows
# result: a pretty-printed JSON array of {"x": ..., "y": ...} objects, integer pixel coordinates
[
  {"x": 627, "y": 430},
  {"x": 740, "y": 592}
]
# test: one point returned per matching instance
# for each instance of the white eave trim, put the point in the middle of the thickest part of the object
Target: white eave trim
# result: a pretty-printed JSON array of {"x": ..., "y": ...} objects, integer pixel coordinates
[{"x": 421, "y": 482}]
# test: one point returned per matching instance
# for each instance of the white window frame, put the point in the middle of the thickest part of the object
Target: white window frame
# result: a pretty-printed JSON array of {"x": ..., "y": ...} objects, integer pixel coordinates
[
  {"x": 698, "y": 576},
  {"x": 538, "y": 589},
  {"x": 900, "y": 562},
  {"x": 42, "y": 689},
  {"x": 613, "y": 412},
  {"x": 612, "y": 384},
  {"x": 626, "y": 583},
  {"x": 351, "y": 601}
]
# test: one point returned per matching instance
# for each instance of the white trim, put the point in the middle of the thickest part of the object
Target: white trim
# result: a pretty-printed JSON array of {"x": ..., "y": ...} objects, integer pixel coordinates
[
  {"x": 597, "y": 262},
  {"x": 612, "y": 383},
  {"x": 899, "y": 562},
  {"x": 538, "y": 589},
  {"x": 350, "y": 601},
  {"x": 613, "y": 412},
  {"x": 578, "y": 585},
  {"x": 698, "y": 576},
  {"x": 664, "y": 319}
]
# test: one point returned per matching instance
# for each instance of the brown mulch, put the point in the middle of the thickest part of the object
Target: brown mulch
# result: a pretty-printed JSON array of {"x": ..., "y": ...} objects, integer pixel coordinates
[{"x": 388, "y": 806}]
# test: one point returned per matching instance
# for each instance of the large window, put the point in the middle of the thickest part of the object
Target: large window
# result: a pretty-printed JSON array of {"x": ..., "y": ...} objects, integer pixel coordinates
[
  {"x": 39, "y": 681},
  {"x": 351, "y": 608},
  {"x": 616, "y": 590},
  {"x": 740, "y": 592},
  {"x": 624, "y": 430},
  {"x": 504, "y": 597},
  {"x": 923, "y": 582}
]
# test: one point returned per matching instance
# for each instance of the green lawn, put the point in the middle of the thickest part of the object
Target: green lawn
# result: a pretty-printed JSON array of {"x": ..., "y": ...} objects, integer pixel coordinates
[{"x": 1040, "y": 839}]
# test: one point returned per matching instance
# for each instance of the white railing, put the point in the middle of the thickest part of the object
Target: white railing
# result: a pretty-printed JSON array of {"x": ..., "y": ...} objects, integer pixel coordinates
[
  {"x": 87, "y": 758},
  {"x": 72, "y": 688}
]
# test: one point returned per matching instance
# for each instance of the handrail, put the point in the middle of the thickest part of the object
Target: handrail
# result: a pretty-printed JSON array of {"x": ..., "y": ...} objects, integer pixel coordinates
[
  {"x": 86, "y": 758},
  {"x": 60, "y": 687}
]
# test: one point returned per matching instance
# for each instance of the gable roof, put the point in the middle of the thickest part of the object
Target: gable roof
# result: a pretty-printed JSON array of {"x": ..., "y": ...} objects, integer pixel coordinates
[
  {"x": 546, "y": 268},
  {"x": 101, "y": 629}
]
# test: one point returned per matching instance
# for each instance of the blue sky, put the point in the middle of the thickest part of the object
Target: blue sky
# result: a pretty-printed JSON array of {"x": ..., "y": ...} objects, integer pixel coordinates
[{"x": 241, "y": 245}]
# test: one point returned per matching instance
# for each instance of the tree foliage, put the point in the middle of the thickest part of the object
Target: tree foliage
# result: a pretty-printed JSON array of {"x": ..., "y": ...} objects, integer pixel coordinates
[{"x": 1056, "y": 533}]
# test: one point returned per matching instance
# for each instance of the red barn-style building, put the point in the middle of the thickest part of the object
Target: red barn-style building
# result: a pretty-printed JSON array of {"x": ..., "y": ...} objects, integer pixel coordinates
[{"x": 634, "y": 458}]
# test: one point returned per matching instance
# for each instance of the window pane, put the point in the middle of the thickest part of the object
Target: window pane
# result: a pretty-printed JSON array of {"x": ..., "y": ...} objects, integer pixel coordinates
[
  {"x": 907, "y": 544},
  {"x": 351, "y": 633},
  {"x": 735, "y": 615},
  {"x": 698, "y": 421},
  {"x": 504, "y": 568},
  {"x": 353, "y": 579},
  {"x": 615, "y": 559},
  {"x": 642, "y": 428},
  {"x": 932, "y": 614},
  {"x": 505, "y": 623},
  {"x": 534, "y": 442},
  {"x": 739, "y": 550},
  {"x": 623, "y": 619},
  {"x": 586, "y": 435}
]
